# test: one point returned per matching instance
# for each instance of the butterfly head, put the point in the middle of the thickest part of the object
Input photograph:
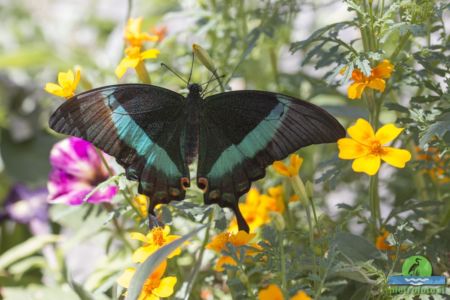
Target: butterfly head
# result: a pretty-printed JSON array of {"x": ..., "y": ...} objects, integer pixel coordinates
[{"x": 195, "y": 88}]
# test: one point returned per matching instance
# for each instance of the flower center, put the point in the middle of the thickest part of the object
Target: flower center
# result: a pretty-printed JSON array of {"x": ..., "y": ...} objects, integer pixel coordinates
[
  {"x": 158, "y": 236},
  {"x": 376, "y": 148}
]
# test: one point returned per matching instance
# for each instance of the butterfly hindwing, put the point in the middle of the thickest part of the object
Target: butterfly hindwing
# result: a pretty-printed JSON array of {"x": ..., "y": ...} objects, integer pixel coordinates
[
  {"x": 140, "y": 125},
  {"x": 245, "y": 131}
]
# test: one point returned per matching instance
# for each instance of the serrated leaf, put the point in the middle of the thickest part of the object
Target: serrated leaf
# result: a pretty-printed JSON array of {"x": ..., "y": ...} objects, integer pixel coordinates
[
  {"x": 439, "y": 129},
  {"x": 364, "y": 66},
  {"x": 151, "y": 263}
]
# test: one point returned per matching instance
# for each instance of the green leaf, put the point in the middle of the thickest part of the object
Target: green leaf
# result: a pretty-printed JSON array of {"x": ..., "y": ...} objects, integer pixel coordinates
[
  {"x": 26, "y": 248},
  {"x": 396, "y": 107},
  {"x": 364, "y": 66},
  {"x": 357, "y": 248},
  {"x": 151, "y": 263},
  {"x": 439, "y": 129}
]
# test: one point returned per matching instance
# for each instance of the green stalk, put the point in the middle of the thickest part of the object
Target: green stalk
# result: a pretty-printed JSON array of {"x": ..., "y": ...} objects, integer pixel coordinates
[
  {"x": 196, "y": 269},
  {"x": 283, "y": 263}
]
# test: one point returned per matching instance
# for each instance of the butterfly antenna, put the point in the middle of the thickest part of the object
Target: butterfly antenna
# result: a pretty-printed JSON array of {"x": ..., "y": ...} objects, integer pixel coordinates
[
  {"x": 208, "y": 82},
  {"x": 176, "y": 74},
  {"x": 192, "y": 67}
]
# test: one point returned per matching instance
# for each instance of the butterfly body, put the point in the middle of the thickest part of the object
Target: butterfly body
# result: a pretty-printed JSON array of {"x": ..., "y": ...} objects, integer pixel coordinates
[{"x": 155, "y": 133}]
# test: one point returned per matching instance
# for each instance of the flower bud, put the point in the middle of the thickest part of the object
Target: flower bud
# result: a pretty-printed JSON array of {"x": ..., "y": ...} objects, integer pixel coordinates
[{"x": 204, "y": 57}]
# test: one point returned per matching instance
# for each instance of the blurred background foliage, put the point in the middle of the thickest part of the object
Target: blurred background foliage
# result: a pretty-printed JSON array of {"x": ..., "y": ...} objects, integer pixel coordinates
[{"x": 292, "y": 47}]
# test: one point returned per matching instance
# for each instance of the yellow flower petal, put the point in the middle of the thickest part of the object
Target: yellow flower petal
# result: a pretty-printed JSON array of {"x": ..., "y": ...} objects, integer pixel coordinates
[
  {"x": 224, "y": 260},
  {"x": 151, "y": 53},
  {"x": 377, "y": 84},
  {"x": 351, "y": 149},
  {"x": 362, "y": 132},
  {"x": 54, "y": 89},
  {"x": 271, "y": 292},
  {"x": 387, "y": 133},
  {"x": 65, "y": 78},
  {"x": 301, "y": 295},
  {"x": 295, "y": 164},
  {"x": 396, "y": 157},
  {"x": 142, "y": 253},
  {"x": 138, "y": 236},
  {"x": 368, "y": 164},
  {"x": 241, "y": 238},
  {"x": 165, "y": 288},
  {"x": 355, "y": 90},
  {"x": 125, "y": 279}
]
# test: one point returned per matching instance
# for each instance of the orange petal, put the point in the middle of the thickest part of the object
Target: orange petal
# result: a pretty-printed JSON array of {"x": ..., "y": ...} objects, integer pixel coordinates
[
  {"x": 377, "y": 84},
  {"x": 281, "y": 168},
  {"x": 387, "y": 133},
  {"x": 361, "y": 132},
  {"x": 368, "y": 164},
  {"x": 271, "y": 292},
  {"x": 396, "y": 157},
  {"x": 301, "y": 295},
  {"x": 224, "y": 260},
  {"x": 295, "y": 164},
  {"x": 383, "y": 70}
]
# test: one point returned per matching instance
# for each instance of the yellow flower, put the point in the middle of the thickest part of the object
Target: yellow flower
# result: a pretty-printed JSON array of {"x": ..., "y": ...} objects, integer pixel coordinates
[
  {"x": 67, "y": 84},
  {"x": 134, "y": 36},
  {"x": 254, "y": 211},
  {"x": 276, "y": 202},
  {"x": 367, "y": 148},
  {"x": 154, "y": 240},
  {"x": 154, "y": 287},
  {"x": 219, "y": 243},
  {"x": 273, "y": 292},
  {"x": 133, "y": 58},
  {"x": 291, "y": 169},
  {"x": 375, "y": 81},
  {"x": 141, "y": 203}
]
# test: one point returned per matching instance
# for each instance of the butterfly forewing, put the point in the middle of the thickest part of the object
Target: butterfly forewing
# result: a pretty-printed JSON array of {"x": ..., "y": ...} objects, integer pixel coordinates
[
  {"x": 245, "y": 131},
  {"x": 140, "y": 125}
]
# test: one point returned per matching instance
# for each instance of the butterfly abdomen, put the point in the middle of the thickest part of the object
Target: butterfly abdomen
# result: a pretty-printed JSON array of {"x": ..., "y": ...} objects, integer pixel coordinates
[{"x": 191, "y": 136}]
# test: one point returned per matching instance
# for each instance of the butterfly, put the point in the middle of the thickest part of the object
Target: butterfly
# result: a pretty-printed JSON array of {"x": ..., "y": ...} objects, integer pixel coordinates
[{"x": 155, "y": 134}]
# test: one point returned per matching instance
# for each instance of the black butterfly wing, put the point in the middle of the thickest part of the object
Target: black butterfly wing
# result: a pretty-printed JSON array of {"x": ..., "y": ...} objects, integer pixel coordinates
[
  {"x": 242, "y": 132},
  {"x": 140, "y": 125}
]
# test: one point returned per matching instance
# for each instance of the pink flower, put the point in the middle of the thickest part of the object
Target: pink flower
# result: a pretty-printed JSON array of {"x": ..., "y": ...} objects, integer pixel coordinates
[{"x": 76, "y": 170}]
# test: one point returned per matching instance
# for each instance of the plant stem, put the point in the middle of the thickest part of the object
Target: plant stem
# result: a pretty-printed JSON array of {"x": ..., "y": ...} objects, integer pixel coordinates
[
  {"x": 283, "y": 263},
  {"x": 196, "y": 269}
]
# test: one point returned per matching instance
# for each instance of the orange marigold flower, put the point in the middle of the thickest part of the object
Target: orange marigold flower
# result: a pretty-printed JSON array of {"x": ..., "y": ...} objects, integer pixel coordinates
[
  {"x": 67, "y": 84},
  {"x": 289, "y": 170},
  {"x": 273, "y": 292},
  {"x": 367, "y": 148},
  {"x": 256, "y": 208},
  {"x": 134, "y": 36},
  {"x": 154, "y": 240},
  {"x": 155, "y": 287},
  {"x": 219, "y": 243},
  {"x": 375, "y": 81},
  {"x": 381, "y": 243},
  {"x": 160, "y": 32},
  {"x": 438, "y": 169},
  {"x": 133, "y": 57}
]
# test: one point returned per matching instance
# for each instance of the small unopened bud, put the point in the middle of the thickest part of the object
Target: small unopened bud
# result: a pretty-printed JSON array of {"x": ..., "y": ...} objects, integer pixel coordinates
[
  {"x": 204, "y": 57},
  {"x": 242, "y": 277}
]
